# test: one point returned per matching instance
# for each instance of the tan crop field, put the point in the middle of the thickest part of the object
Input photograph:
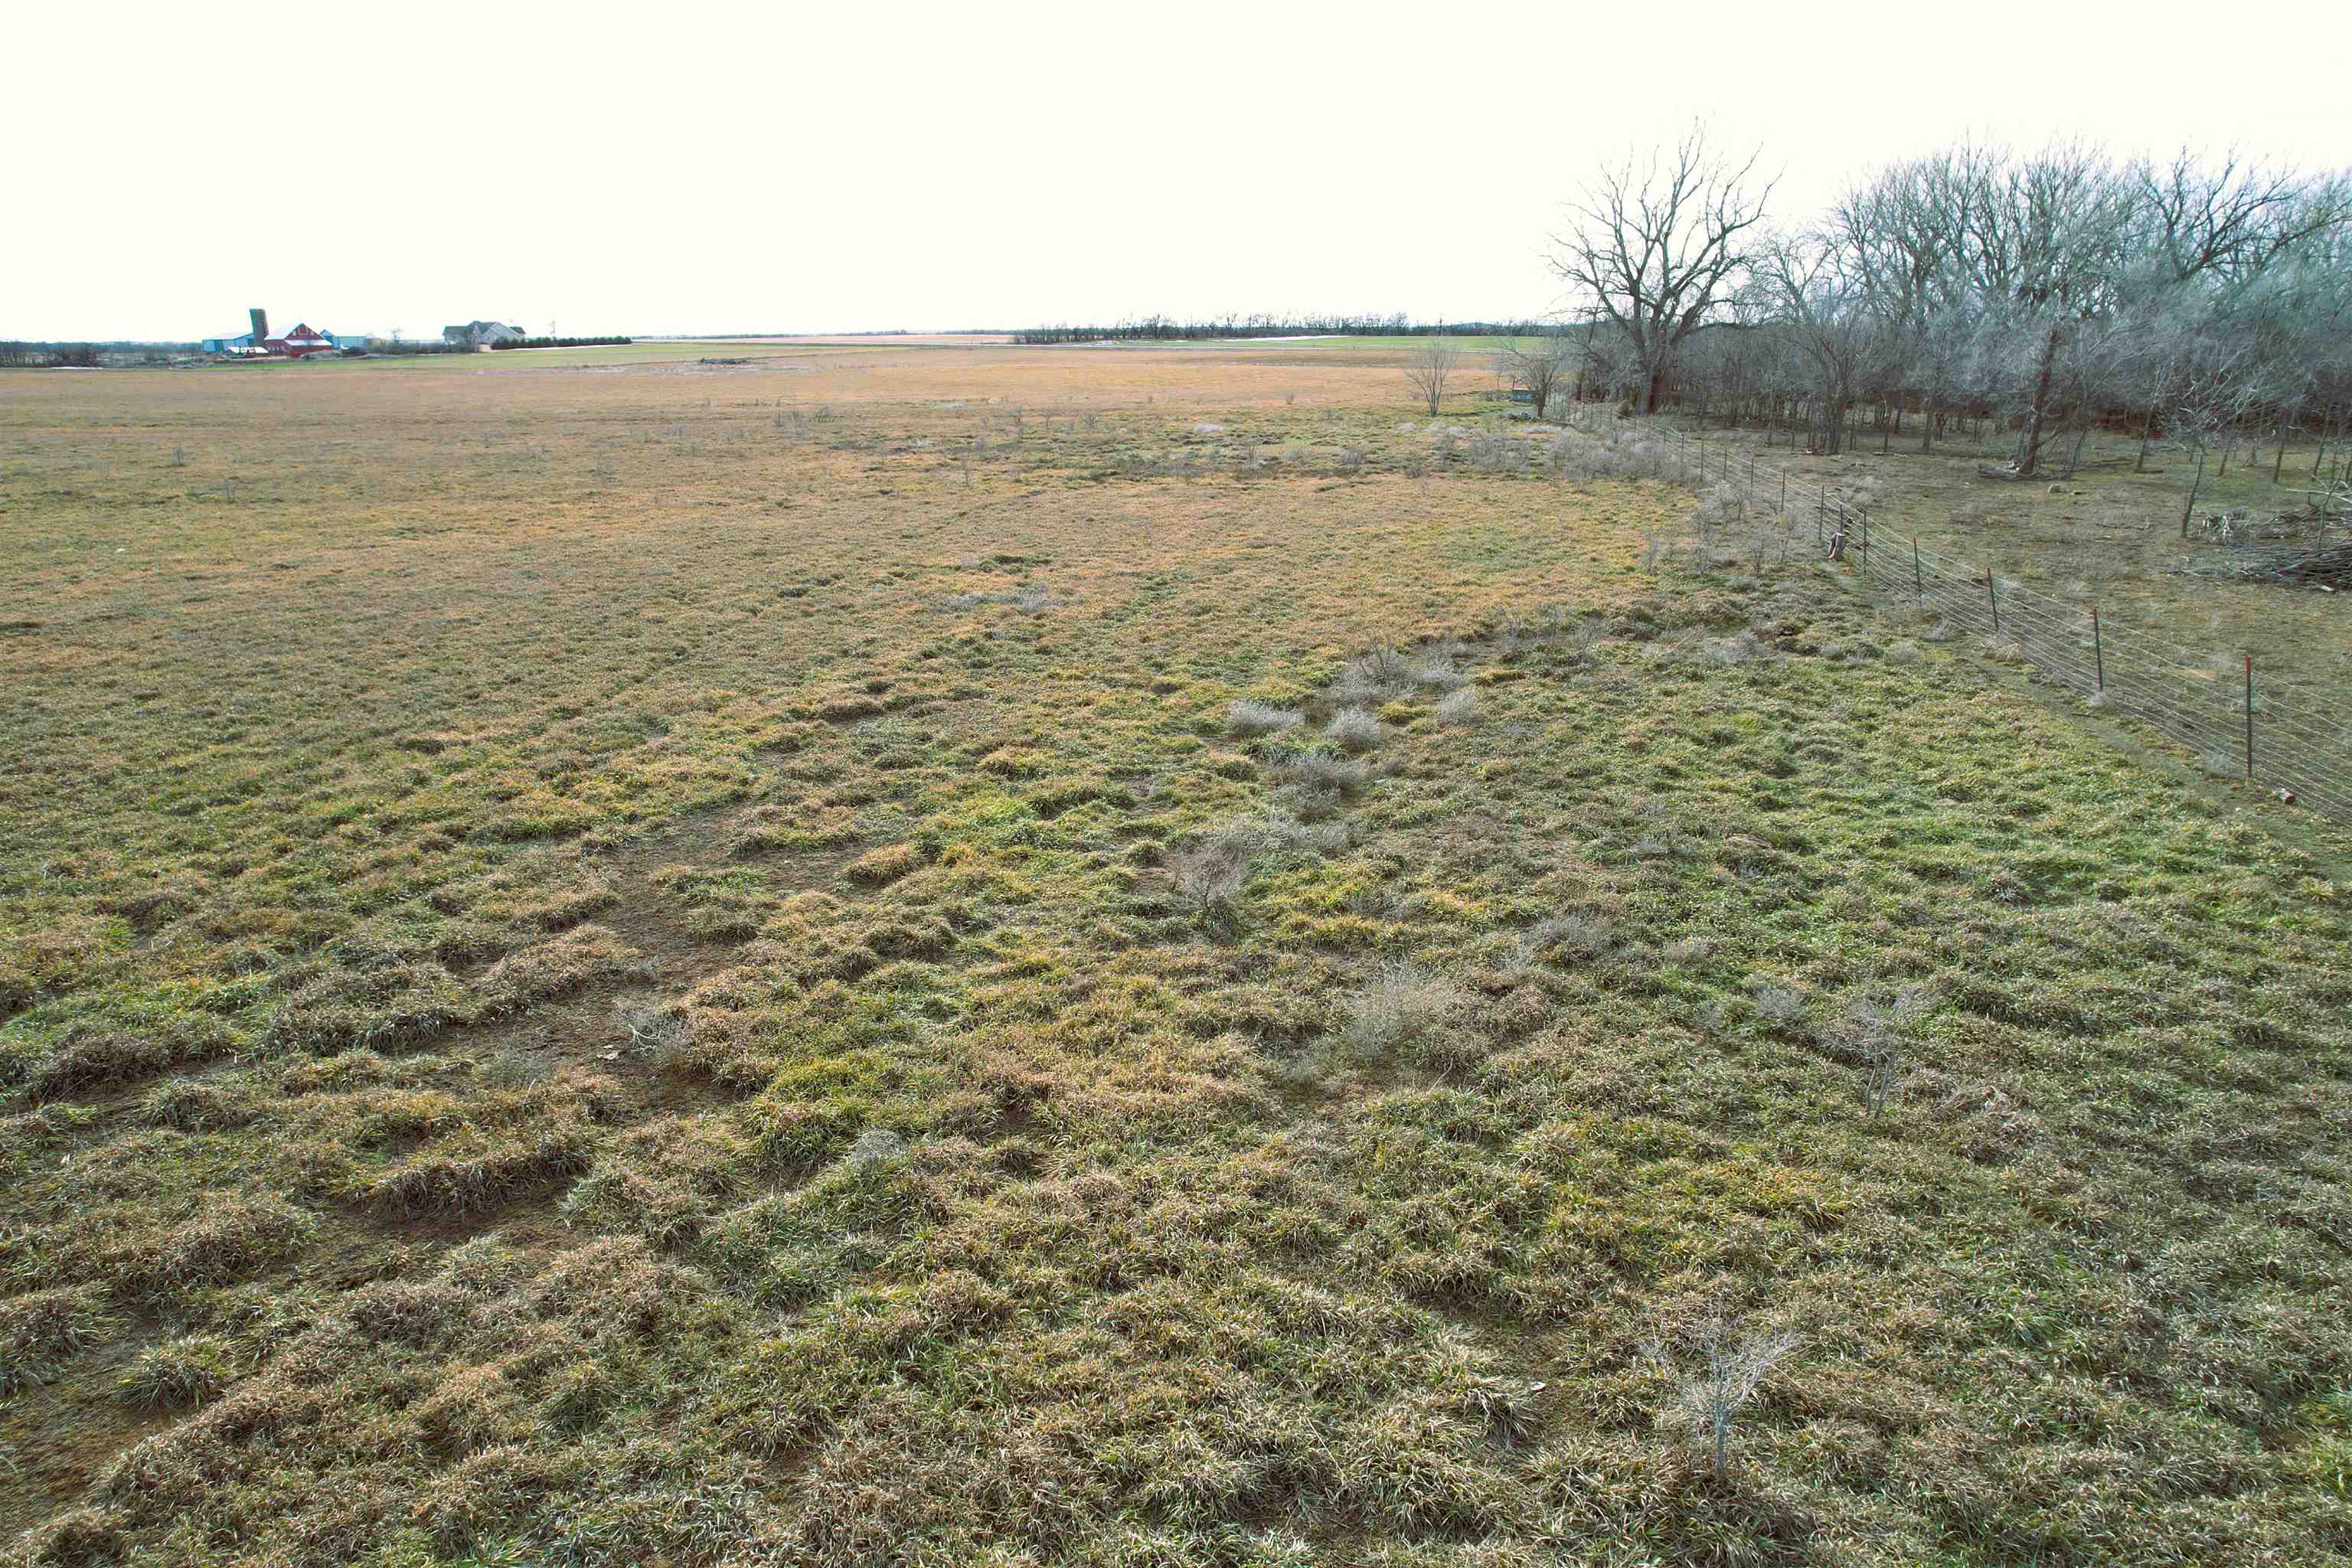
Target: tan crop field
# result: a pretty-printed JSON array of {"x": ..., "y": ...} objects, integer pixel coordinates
[{"x": 918, "y": 951}]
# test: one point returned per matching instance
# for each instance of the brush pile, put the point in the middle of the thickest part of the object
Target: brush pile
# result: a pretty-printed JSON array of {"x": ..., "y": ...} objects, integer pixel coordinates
[{"x": 2327, "y": 564}]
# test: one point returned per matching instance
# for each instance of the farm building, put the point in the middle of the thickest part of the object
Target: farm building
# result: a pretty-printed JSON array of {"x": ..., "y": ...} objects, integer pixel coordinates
[
  {"x": 299, "y": 342},
  {"x": 241, "y": 343},
  {"x": 481, "y": 334}
]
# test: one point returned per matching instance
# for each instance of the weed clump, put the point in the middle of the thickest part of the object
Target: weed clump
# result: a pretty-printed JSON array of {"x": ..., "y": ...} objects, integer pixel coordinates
[
  {"x": 1736, "y": 650},
  {"x": 874, "y": 1147},
  {"x": 1371, "y": 677},
  {"x": 654, "y": 1030},
  {"x": 1462, "y": 708},
  {"x": 880, "y": 868},
  {"x": 1354, "y": 730},
  {"x": 1778, "y": 1006},
  {"x": 1251, "y": 718},
  {"x": 1341, "y": 777},
  {"x": 41, "y": 1330},
  {"x": 224, "y": 1242},
  {"x": 1209, "y": 875},
  {"x": 192, "y": 1105},
  {"x": 190, "y": 1370},
  {"x": 1876, "y": 1037},
  {"x": 1438, "y": 675},
  {"x": 1402, "y": 1004},
  {"x": 1568, "y": 937},
  {"x": 472, "y": 1170}
]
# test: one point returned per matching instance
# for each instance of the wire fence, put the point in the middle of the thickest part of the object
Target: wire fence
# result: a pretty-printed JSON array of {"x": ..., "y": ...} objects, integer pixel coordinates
[{"x": 2220, "y": 709}]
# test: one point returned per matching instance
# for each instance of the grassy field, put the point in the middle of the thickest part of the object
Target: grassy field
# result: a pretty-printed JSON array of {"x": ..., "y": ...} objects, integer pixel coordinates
[{"x": 651, "y": 963}]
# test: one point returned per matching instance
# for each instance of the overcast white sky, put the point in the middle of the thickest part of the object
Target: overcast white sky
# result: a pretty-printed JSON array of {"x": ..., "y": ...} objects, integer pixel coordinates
[{"x": 684, "y": 167}]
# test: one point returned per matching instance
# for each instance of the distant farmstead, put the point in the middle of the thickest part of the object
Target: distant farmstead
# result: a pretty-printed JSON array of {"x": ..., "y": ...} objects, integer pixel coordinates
[
  {"x": 300, "y": 341},
  {"x": 482, "y": 335}
]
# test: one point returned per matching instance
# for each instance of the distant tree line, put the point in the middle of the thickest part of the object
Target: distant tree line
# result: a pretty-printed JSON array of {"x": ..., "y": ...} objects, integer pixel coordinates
[
  {"x": 1167, "y": 329},
  {"x": 560, "y": 342},
  {"x": 19, "y": 355},
  {"x": 2194, "y": 300}
]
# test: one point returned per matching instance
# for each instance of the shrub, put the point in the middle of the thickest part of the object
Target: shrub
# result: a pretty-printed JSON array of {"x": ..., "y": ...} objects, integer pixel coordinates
[
  {"x": 1250, "y": 718},
  {"x": 1354, "y": 730}
]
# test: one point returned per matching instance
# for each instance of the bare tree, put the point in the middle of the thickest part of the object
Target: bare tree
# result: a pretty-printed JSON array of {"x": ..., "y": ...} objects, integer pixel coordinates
[
  {"x": 1429, "y": 369},
  {"x": 2214, "y": 400},
  {"x": 2234, "y": 220},
  {"x": 1657, "y": 249},
  {"x": 1822, "y": 309},
  {"x": 1725, "y": 1364},
  {"x": 1540, "y": 370}
]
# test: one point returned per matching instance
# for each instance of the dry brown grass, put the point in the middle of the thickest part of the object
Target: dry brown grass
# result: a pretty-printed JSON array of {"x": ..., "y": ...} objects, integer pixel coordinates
[{"x": 851, "y": 713}]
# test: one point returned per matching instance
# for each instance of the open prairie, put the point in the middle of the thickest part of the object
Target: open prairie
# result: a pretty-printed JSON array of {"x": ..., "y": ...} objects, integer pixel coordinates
[{"x": 921, "y": 951}]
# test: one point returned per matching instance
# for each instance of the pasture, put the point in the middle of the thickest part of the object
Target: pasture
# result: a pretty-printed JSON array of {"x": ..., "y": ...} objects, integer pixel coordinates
[{"x": 606, "y": 959}]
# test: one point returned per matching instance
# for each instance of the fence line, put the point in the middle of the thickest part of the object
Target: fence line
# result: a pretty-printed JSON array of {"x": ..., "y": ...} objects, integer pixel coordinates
[{"x": 2219, "y": 709}]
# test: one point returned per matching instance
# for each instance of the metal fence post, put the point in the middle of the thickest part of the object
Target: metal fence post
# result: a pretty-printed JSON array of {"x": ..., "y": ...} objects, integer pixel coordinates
[
  {"x": 1993, "y": 594},
  {"x": 2250, "y": 716},
  {"x": 1918, "y": 578},
  {"x": 2098, "y": 649}
]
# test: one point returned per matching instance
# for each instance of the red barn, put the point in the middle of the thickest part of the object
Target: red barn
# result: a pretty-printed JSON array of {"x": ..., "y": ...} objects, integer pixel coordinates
[{"x": 299, "y": 342}]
